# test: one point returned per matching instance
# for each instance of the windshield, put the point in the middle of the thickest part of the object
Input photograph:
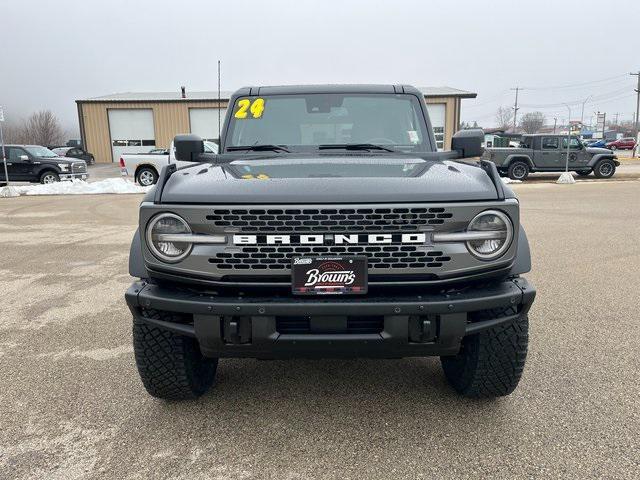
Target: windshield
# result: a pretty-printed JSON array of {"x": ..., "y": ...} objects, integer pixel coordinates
[
  {"x": 308, "y": 121},
  {"x": 40, "y": 152}
]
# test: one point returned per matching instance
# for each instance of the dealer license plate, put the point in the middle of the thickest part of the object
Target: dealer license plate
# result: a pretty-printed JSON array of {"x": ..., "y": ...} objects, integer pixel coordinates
[{"x": 329, "y": 275}]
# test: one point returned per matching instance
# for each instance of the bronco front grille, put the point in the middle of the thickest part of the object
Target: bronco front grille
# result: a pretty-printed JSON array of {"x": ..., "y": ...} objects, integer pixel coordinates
[
  {"x": 353, "y": 220},
  {"x": 278, "y": 257}
]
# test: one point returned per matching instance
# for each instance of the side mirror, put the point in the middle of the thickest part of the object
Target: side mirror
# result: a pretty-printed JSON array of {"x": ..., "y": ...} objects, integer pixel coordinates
[
  {"x": 188, "y": 147},
  {"x": 468, "y": 143},
  {"x": 25, "y": 158}
]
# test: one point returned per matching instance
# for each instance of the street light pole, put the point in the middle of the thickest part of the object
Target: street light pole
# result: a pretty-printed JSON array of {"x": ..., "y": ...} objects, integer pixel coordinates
[
  {"x": 4, "y": 156},
  {"x": 566, "y": 164},
  {"x": 582, "y": 113}
]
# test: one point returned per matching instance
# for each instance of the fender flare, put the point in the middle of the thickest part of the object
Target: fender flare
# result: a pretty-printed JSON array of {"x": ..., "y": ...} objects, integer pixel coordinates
[
  {"x": 136, "y": 259},
  {"x": 522, "y": 263},
  {"x": 515, "y": 157},
  {"x": 602, "y": 156}
]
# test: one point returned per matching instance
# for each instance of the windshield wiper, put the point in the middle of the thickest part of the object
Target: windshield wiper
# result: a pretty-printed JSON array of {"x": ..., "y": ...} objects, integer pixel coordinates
[
  {"x": 354, "y": 146},
  {"x": 259, "y": 148}
]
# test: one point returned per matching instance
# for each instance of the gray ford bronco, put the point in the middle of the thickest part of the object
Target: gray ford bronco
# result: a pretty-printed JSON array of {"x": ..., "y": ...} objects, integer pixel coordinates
[
  {"x": 548, "y": 153},
  {"x": 330, "y": 226}
]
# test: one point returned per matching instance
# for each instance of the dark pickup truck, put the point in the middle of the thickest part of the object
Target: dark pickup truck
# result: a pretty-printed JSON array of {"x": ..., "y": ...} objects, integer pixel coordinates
[
  {"x": 548, "y": 153},
  {"x": 34, "y": 163},
  {"x": 330, "y": 226}
]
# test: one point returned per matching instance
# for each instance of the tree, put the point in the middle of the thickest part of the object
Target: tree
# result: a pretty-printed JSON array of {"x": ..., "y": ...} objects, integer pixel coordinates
[
  {"x": 532, "y": 122},
  {"x": 504, "y": 117},
  {"x": 43, "y": 128}
]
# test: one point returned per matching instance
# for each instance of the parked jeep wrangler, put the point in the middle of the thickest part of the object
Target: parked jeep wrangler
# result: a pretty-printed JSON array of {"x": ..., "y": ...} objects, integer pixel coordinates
[
  {"x": 548, "y": 153},
  {"x": 330, "y": 226}
]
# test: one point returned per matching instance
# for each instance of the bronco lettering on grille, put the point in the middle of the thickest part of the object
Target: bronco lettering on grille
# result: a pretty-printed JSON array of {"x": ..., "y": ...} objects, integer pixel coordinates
[{"x": 330, "y": 239}]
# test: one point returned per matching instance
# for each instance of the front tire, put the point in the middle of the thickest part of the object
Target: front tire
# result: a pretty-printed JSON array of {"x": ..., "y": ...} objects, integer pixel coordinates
[
  {"x": 171, "y": 366},
  {"x": 146, "y": 176},
  {"x": 49, "y": 177},
  {"x": 490, "y": 363},
  {"x": 518, "y": 170},
  {"x": 604, "y": 169}
]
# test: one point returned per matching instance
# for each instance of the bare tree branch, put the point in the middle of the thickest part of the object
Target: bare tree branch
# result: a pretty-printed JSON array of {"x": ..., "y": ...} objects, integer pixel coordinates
[
  {"x": 504, "y": 117},
  {"x": 532, "y": 122}
]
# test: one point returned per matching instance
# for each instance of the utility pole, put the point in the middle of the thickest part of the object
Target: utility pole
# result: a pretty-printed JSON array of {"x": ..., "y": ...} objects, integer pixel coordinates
[
  {"x": 637, "y": 90},
  {"x": 616, "y": 120},
  {"x": 555, "y": 122},
  {"x": 515, "y": 109}
]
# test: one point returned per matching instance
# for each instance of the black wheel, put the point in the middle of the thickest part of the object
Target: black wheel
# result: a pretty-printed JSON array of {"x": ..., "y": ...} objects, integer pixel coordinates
[
  {"x": 49, "y": 177},
  {"x": 490, "y": 363},
  {"x": 604, "y": 169},
  {"x": 171, "y": 366},
  {"x": 584, "y": 173},
  {"x": 518, "y": 170},
  {"x": 613, "y": 147},
  {"x": 146, "y": 176}
]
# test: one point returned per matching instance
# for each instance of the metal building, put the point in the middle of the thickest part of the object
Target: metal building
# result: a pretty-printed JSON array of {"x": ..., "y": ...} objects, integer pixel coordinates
[{"x": 138, "y": 122}]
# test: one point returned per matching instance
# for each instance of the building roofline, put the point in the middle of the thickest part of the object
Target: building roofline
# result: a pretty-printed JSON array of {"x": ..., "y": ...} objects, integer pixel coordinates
[{"x": 174, "y": 97}]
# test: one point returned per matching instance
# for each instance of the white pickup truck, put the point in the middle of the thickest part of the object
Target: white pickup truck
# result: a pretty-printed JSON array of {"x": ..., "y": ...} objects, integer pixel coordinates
[{"x": 146, "y": 167}]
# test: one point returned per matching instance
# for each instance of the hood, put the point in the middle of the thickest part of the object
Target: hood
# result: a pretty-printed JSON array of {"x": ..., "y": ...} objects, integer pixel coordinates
[
  {"x": 598, "y": 150},
  {"x": 329, "y": 179},
  {"x": 59, "y": 159}
]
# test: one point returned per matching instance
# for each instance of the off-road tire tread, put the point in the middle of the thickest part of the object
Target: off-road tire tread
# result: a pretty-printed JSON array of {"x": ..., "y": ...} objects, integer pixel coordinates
[
  {"x": 490, "y": 363},
  {"x": 170, "y": 365},
  {"x": 596, "y": 169},
  {"x": 512, "y": 167}
]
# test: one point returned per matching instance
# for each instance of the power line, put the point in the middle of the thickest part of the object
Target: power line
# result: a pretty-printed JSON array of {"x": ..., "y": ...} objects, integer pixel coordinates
[{"x": 574, "y": 85}]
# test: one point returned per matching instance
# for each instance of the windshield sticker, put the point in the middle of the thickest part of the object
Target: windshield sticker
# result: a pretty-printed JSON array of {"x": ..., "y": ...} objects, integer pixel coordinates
[
  {"x": 246, "y": 107},
  {"x": 260, "y": 176},
  {"x": 413, "y": 136}
]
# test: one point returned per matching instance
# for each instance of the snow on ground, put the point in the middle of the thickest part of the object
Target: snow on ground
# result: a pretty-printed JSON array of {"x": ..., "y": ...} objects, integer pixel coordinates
[
  {"x": 508, "y": 180},
  {"x": 80, "y": 187}
]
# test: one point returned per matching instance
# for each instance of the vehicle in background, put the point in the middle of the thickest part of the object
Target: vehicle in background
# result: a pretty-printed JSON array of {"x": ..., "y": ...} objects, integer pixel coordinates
[
  {"x": 146, "y": 167},
  {"x": 75, "y": 152},
  {"x": 627, "y": 143},
  {"x": 596, "y": 143},
  {"x": 548, "y": 153},
  {"x": 35, "y": 163}
]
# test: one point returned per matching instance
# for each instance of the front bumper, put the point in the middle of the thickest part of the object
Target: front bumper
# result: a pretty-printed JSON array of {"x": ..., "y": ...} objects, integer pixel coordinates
[
  {"x": 74, "y": 176},
  {"x": 411, "y": 325}
]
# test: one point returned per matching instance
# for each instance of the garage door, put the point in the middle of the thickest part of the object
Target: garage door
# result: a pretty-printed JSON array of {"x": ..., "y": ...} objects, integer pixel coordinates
[
  {"x": 131, "y": 131},
  {"x": 204, "y": 122},
  {"x": 437, "y": 112}
]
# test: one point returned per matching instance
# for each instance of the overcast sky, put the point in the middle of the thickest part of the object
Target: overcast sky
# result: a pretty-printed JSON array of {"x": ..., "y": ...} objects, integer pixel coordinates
[{"x": 53, "y": 52}]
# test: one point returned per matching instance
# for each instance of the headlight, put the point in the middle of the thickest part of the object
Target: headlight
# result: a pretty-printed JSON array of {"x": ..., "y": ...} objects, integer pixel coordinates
[
  {"x": 494, "y": 234},
  {"x": 159, "y": 232},
  {"x": 63, "y": 166}
]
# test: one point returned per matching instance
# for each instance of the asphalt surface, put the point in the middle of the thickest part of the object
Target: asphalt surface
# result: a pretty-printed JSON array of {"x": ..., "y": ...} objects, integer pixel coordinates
[{"x": 72, "y": 406}]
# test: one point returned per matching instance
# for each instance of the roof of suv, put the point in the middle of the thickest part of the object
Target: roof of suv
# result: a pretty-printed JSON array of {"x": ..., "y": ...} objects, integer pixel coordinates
[{"x": 334, "y": 88}]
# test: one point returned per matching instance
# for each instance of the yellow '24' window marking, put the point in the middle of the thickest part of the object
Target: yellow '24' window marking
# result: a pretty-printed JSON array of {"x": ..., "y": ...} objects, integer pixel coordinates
[{"x": 245, "y": 106}]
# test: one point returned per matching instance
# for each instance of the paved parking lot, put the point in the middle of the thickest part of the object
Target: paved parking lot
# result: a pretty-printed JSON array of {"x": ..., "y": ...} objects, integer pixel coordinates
[{"x": 72, "y": 406}]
